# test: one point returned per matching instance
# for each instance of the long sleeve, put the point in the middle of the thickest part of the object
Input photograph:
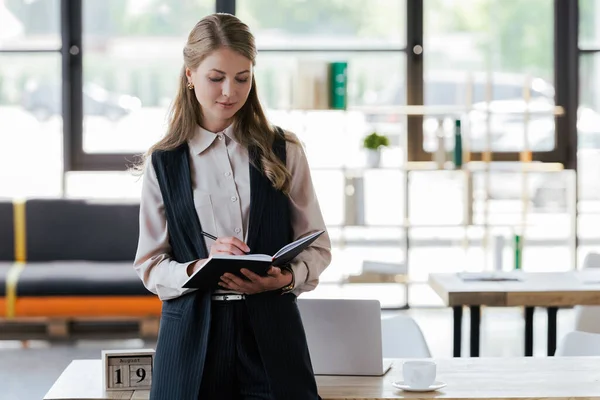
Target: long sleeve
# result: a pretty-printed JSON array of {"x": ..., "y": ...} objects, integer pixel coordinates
[
  {"x": 306, "y": 218},
  {"x": 160, "y": 274}
]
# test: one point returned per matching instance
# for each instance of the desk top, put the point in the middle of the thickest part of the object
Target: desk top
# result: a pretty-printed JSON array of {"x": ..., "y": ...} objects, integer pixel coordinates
[
  {"x": 556, "y": 378},
  {"x": 542, "y": 289},
  {"x": 82, "y": 380}
]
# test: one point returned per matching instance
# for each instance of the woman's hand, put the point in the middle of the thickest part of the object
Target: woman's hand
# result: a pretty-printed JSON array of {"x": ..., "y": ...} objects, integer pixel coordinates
[
  {"x": 229, "y": 245},
  {"x": 275, "y": 279},
  {"x": 223, "y": 245}
]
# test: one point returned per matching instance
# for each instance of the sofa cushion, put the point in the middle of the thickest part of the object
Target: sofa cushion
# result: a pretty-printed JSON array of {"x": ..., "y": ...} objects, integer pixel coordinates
[
  {"x": 68, "y": 229},
  {"x": 79, "y": 278}
]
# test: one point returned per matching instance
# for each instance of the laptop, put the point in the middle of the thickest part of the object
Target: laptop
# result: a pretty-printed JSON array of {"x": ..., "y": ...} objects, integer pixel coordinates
[{"x": 344, "y": 336}]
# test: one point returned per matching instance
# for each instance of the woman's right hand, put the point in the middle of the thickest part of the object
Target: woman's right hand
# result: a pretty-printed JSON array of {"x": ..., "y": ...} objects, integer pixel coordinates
[
  {"x": 223, "y": 245},
  {"x": 229, "y": 245}
]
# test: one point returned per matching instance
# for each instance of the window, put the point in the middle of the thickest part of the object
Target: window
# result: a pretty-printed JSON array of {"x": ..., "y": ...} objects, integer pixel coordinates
[
  {"x": 300, "y": 32},
  {"x": 30, "y": 25},
  {"x": 315, "y": 24},
  {"x": 589, "y": 32},
  {"x": 474, "y": 47},
  {"x": 132, "y": 60},
  {"x": 30, "y": 98}
]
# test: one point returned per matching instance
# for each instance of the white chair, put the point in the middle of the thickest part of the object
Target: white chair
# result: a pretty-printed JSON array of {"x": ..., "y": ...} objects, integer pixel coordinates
[
  {"x": 579, "y": 344},
  {"x": 591, "y": 260},
  {"x": 402, "y": 338},
  {"x": 587, "y": 318}
]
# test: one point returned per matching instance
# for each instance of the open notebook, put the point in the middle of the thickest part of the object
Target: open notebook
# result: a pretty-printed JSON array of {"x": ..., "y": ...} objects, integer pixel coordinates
[{"x": 209, "y": 275}]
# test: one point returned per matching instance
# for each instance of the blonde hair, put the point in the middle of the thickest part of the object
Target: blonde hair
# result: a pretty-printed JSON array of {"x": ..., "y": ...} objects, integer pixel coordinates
[{"x": 250, "y": 125}]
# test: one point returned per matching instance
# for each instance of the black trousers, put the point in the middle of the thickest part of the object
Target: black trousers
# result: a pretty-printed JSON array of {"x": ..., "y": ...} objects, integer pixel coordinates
[{"x": 233, "y": 369}]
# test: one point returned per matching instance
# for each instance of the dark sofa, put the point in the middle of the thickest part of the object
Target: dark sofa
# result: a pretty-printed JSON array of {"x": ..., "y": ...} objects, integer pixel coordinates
[{"x": 78, "y": 260}]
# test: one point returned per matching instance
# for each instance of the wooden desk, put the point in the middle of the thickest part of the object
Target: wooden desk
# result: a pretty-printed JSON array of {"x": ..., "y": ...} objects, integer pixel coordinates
[
  {"x": 534, "y": 289},
  {"x": 576, "y": 378}
]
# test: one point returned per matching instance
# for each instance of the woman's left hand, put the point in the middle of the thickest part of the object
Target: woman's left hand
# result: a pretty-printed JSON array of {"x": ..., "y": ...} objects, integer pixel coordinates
[{"x": 275, "y": 279}]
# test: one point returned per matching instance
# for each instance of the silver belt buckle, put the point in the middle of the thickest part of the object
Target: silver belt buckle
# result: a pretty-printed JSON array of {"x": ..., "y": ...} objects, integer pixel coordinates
[{"x": 228, "y": 297}]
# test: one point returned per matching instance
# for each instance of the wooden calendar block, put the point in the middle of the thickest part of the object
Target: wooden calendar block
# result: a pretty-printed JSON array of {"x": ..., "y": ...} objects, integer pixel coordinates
[
  {"x": 118, "y": 376},
  {"x": 127, "y": 369},
  {"x": 140, "y": 375}
]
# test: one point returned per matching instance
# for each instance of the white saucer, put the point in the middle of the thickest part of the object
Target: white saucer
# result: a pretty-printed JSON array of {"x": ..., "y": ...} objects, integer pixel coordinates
[{"x": 401, "y": 385}]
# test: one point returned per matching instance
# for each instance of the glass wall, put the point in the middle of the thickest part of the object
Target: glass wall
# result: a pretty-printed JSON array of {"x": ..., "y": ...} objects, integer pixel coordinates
[
  {"x": 30, "y": 25},
  {"x": 30, "y": 102},
  {"x": 481, "y": 54},
  {"x": 293, "y": 24},
  {"x": 491, "y": 50},
  {"x": 589, "y": 31}
]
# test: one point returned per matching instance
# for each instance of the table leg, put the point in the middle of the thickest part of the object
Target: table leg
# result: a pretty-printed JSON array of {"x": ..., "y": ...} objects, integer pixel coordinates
[
  {"x": 552, "y": 313},
  {"x": 529, "y": 331},
  {"x": 475, "y": 327},
  {"x": 458, "y": 312}
]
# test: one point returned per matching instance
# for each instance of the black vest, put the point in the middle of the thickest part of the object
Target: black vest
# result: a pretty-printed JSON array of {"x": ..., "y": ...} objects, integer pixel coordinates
[{"x": 185, "y": 321}]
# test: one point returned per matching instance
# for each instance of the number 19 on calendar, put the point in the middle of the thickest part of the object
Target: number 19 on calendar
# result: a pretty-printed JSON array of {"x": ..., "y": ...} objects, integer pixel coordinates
[{"x": 128, "y": 370}]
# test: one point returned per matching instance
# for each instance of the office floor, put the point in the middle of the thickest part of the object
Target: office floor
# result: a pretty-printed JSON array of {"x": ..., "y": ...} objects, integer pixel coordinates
[{"x": 27, "y": 374}]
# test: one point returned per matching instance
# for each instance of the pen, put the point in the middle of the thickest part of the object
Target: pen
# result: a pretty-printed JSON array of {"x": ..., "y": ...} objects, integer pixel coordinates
[{"x": 208, "y": 235}]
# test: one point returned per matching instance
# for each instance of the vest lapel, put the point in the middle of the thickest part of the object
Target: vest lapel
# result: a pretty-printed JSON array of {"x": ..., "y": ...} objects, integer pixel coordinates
[{"x": 181, "y": 198}]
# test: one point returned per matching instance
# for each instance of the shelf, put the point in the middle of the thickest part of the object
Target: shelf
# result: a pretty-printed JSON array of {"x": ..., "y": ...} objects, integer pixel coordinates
[
  {"x": 473, "y": 166},
  {"x": 533, "y": 109},
  {"x": 414, "y": 226}
]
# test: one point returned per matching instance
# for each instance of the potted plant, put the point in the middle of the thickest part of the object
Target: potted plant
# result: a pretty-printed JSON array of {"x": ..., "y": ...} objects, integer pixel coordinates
[{"x": 373, "y": 144}]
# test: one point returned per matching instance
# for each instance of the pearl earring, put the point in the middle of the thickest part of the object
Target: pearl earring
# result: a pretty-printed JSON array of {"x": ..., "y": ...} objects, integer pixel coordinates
[{"x": 190, "y": 85}]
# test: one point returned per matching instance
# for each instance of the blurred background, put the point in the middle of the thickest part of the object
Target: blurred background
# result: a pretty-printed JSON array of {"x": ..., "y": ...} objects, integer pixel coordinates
[{"x": 85, "y": 87}]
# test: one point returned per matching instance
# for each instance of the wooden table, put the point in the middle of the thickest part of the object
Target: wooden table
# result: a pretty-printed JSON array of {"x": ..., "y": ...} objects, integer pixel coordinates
[
  {"x": 550, "y": 290},
  {"x": 576, "y": 378}
]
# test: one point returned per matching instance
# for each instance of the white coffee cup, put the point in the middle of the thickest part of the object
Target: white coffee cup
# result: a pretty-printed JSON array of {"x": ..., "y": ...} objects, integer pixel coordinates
[{"x": 419, "y": 374}]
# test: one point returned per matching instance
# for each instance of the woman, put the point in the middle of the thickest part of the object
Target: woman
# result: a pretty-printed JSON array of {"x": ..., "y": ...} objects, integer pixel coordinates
[{"x": 224, "y": 170}]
